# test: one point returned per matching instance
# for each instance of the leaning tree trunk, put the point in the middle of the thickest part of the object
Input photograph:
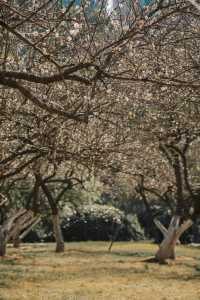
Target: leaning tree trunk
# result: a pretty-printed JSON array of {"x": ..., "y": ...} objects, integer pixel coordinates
[
  {"x": 23, "y": 228},
  {"x": 11, "y": 228},
  {"x": 167, "y": 247},
  {"x": 3, "y": 242},
  {"x": 60, "y": 245}
]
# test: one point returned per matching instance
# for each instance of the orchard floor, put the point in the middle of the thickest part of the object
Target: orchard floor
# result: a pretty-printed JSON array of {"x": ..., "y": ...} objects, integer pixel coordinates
[{"x": 86, "y": 271}]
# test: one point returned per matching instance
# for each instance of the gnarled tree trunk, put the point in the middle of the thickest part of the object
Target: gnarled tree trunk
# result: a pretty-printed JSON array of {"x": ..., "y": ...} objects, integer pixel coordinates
[
  {"x": 16, "y": 227},
  {"x": 167, "y": 247},
  {"x": 60, "y": 245},
  {"x": 164, "y": 230},
  {"x": 23, "y": 227},
  {"x": 3, "y": 241},
  {"x": 7, "y": 227}
]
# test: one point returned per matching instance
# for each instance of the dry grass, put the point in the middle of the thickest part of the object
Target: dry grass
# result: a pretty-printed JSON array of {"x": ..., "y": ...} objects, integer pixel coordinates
[{"x": 86, "y": 271}]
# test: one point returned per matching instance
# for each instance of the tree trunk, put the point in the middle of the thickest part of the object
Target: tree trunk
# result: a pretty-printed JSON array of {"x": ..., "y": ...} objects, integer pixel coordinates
[
  {"x": 2, "y": 242},
  {"x": 167, "y": 247},
  {"x": 16, "y": 241},
  {"x": 60, "y": 245},
  {"x": 164, "y": 231},
  {"x": 31, "y": 225}
]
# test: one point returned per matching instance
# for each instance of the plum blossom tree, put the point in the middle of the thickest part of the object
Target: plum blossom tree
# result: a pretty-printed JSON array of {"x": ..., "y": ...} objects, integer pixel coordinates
[{"x": 91, "y": 88}]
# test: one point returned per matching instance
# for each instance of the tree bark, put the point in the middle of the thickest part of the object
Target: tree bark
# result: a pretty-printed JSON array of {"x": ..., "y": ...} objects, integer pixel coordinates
[
  {"x": 3, "y": 242},
  {"x": 16, "y": 241},
  {"x": 60, "y": 245},
  {"x": 167, "y": 247},
  {"x": 164, "y": 231},
  {"x": 31, "y": 225}
]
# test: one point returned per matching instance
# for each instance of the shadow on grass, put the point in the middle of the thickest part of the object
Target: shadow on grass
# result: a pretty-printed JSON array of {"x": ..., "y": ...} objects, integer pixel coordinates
[
  {"x": 112, "y": 253},
  {"x": 180, "y": 278},
  {"x": 4, "y": 284},
  {"x": 4, "y": 279},
  {"x": 9, "y": 261},
  {"x": 37, "y": 253},
  {"x": 133, "y": 254}
]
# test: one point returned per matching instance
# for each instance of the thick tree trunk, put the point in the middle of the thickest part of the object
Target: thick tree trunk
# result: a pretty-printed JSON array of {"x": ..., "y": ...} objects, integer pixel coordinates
[
  {"x": 60, "y": 245},
  {"x": 3, "y": 242},
  {"x": 167, "y": 247}
]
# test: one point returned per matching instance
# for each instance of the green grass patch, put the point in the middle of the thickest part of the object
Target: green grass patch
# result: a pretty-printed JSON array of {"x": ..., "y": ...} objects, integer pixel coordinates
[{"x": 10, "y": 262}]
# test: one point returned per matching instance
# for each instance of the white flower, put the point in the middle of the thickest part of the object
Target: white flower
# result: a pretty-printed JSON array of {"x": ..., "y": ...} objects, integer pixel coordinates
[
  {"x": 77, "y": 26},
  {"x": 74, "y": 32},
  {"x": 163, "y": 88},
  {"x": 35, "y": 33}
]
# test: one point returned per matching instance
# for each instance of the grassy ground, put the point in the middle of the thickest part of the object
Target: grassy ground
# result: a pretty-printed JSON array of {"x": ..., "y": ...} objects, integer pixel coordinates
[{"x": 87, "y": 271}]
